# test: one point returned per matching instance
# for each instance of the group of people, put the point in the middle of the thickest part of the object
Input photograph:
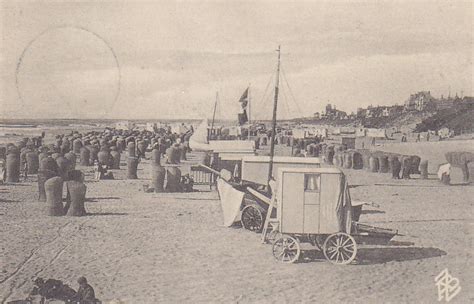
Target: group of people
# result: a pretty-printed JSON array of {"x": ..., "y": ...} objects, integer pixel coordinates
[{"x": 52, "y": 289}]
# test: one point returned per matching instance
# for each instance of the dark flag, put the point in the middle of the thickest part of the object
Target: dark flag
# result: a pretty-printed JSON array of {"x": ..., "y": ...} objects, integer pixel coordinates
[
  {"x": 244, "y": 100},
  {"x": 243, "y": 118}
]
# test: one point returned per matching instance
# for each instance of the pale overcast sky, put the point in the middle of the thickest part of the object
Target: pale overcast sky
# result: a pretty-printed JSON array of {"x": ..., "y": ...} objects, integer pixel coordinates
[{"x": 174, "y": 56}]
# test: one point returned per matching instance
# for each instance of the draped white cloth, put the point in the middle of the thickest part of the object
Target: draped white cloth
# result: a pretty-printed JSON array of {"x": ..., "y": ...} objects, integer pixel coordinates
[
  {"x": 444, "y": 169},
  {"x": 231, "y": 201}
]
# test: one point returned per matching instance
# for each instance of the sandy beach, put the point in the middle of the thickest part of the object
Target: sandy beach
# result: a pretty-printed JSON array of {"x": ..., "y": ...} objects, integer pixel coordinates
[
  {"x": 138, "y": 247},
  {"x": 293, "y": 103}
]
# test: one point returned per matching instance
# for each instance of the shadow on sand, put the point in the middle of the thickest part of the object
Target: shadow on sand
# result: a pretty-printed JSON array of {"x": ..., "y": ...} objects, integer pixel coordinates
[
  {"x": 372, "y": 256},
  {"x": 106, "y": 213},
  {"x": 461, "y": 184},
  {"x": 424, "y": 186},
  {"x": 196, "y": 199},
  {"x": 355, "y": 186},
  {"x": 371, "y": 212},
  {"x": 2, "y": 200},
  {"x": 96, "y": 199}
]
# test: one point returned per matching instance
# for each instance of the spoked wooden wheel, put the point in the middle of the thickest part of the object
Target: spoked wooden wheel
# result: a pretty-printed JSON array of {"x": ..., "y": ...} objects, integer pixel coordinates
[
  {"x": 286, "y": 249},
  {"x": 253, "y": 218},
  {"x": 273, "y": 235},
  {"x": 340, "y": 248}
]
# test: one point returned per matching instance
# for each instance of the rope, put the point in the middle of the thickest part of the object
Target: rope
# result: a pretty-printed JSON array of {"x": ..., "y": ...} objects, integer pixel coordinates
[
  {"x": 263, "y": 102},
  {"x": 285, "y": 99},
  {"x": 291, "y": 92},
  {"x": 218, "y": 109}
]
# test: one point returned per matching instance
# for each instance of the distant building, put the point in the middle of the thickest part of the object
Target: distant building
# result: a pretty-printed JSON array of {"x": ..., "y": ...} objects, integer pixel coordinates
[
  {"x": 332, "y": 113},
  {"x": 329, "y": 109},
  {"x": 361, "y": 113},
  {"x": 369, "y": 113},
  {"x": 373, "y": 112},
  {"x": 444, "y": 103},
  {"x": 316, "y": 115},
  {"x": 396, "y": 109},
  {"x": 352, "y": 116},
  {"x": 419, "y": 101}
]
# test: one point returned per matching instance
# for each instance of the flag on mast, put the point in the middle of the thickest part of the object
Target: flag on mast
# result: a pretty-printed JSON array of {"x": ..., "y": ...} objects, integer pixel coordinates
[{"x": 244, "y": 101}]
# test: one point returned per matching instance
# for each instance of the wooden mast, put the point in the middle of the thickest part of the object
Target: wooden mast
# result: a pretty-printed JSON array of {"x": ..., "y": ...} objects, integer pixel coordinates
[
  {"x": 275, "y": 106},
  {"x": 213, "y": 116},
  {"x": 249, "y": 104}
]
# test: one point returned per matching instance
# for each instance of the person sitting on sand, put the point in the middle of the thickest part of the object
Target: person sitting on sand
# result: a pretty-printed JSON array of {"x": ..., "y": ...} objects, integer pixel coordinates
[
  {"x": 101, "y": 171},
  {"x": 85, "y": 294}
]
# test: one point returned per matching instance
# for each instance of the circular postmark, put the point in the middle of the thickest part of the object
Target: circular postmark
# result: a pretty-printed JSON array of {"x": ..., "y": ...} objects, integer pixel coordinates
[{"x": 71, "y": 66}]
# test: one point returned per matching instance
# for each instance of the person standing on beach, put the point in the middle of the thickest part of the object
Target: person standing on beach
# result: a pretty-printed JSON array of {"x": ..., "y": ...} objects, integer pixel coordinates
[
  {"x": 25, "y": 170},
  {"x": 96, "y": 170}
]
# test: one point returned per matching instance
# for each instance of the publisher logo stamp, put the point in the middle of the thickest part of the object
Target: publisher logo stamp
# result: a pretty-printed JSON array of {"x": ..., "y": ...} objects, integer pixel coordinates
[{"x": 448, "y": 286}]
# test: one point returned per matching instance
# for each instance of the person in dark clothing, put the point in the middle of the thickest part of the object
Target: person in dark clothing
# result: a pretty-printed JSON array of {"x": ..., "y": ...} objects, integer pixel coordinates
[
  {"x": 25, "y": 171},
  {"x": 85, "y": 294},
  {"x": 298, "y": 153},
  {"x": 53, "y": 289}
]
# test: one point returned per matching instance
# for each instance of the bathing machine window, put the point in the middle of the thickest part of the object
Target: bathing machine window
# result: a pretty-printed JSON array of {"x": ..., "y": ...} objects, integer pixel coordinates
[{"x": 312, "y": 182}]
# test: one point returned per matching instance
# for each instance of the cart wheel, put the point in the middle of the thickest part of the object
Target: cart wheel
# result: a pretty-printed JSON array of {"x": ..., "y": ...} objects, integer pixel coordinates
[
  {"x": 273, "y": 235},
  {"x": 286, "y": 249},
  {"x": 252, "y": 218},
  {"x": 340, "y": 248}
]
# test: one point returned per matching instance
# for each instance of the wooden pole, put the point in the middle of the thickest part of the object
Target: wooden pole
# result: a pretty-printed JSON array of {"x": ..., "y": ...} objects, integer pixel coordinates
[
  {"x": 213, "y": 116},
  {"x": 275, "y": 107},
  {"x": 249, "y": 104},
  {"x": 249, "y": 125},
  {"x": 210, "y": 169}
]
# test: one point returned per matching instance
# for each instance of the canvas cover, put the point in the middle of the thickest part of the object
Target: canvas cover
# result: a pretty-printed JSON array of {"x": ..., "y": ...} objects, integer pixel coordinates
[
  {"x": 335, "y": 205},
  {"x": 344, "y": 207},
  {"x": 444, "y": 169},
  {"x": 231, "y": 200},
  {"x": 198, "y": 141}
]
